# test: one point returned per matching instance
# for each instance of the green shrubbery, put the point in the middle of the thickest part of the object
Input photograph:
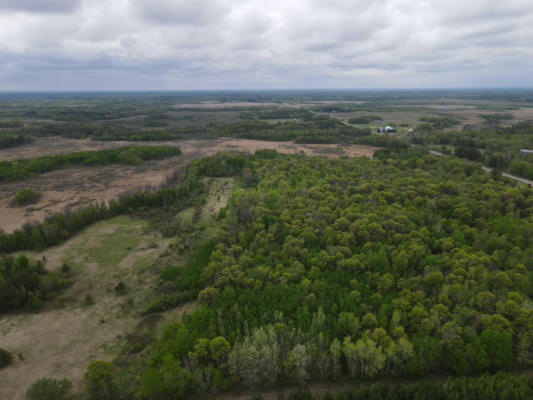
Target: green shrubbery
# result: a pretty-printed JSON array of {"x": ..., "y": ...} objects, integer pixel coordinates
[
  {"x": 8, "y": 141},
  {"x": 49, "y": 389},
  {"x": 26, "y": 196},
  {"x": 25, "y": 284},
  {"x": 5, "y": 358}
]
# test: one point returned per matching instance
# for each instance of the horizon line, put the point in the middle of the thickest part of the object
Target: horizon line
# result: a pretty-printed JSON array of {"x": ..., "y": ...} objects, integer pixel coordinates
[{"x": 110, "y": 91}]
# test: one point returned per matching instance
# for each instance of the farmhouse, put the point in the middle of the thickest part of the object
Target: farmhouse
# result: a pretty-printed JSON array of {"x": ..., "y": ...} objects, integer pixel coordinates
[{"x": 387, "y": 129}]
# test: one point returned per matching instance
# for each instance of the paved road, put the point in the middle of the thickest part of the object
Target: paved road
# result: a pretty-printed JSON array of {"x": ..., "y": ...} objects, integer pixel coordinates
[{"x": 487, "y": 169}]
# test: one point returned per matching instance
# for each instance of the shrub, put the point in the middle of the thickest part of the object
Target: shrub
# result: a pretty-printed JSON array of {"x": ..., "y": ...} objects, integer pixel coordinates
[
  {"x": 26, "y": 196},
  {"x": 5, "y": 358},
  {"x": 88, "y": 300},
  {"x": 101, "y": 381},
  {"x": 121, "y": 288},
  {"x": 49, "y": 389}
]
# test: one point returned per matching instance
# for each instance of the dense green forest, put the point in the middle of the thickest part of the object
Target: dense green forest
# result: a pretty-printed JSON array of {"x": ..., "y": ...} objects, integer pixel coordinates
[
  {"x": 406, "y": 265},
  {"x": 303, "y": 128},
  {"x": 26, "y": 167}
]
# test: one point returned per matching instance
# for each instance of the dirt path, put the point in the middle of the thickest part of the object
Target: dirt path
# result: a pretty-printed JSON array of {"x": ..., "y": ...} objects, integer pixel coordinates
[
  {"x": 489, "y": 170},
  {"x": 505, "y": 174}
]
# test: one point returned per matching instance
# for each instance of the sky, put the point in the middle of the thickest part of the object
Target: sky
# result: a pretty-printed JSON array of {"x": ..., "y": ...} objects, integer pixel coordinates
[{"x": 264, "y": 44}]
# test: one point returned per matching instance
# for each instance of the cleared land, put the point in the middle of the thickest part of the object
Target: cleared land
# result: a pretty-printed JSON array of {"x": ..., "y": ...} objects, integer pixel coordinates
[
  {"x": 62, "y": 339},
  {"x": 77, "y": 187}
]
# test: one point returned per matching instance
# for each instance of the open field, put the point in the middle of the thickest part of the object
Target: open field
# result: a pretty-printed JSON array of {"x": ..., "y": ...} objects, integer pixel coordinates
[
  {"x": 62, "y": 339},
  {"x": 80, "y": 186}
]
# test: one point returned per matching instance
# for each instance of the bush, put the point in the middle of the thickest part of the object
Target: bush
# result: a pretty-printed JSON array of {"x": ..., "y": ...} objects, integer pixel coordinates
[
  {"x": 26, "y": 196},
  {"x": 49, "y": 389},
  {"x": 88, "y": 300},
  {"x": 121, "y": 288},
  {"x": 5, "y": 358},
  {"x": 101, "y": 381}
]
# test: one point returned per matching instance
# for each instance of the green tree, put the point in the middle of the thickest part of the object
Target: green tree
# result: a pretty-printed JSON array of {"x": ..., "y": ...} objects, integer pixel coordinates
[{"x": 499, "y": 348}]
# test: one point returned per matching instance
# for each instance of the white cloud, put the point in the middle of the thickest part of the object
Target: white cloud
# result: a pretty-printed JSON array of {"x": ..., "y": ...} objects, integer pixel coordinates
[{"x": 205, "y": 44}]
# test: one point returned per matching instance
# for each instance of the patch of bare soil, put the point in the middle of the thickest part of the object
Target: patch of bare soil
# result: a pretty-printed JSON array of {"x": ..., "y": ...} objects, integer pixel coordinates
[
  {"x": 81, "y": 186},
  {"x": 56, "y": 344},
  {"x": 53, "y": 145},
  {"x": 78, "y": 187}
]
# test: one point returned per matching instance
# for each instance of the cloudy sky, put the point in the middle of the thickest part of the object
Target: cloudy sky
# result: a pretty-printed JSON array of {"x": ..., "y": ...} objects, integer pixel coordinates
[{"x": 247, "y": 44}]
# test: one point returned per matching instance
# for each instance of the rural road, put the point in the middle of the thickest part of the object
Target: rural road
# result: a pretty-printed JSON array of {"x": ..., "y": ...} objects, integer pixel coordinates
[{"x": 489, "y": 170}]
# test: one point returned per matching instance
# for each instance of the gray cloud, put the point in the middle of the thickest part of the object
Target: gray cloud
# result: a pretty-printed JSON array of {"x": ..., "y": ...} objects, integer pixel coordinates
[
  {"x": 213, "y": 44},
  {"x": 40, "y": 6},
  {"x": 186, "y": 12}
]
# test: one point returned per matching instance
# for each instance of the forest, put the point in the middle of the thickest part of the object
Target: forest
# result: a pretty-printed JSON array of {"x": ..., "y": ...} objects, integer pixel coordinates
[{"x": 328, "y": 270}]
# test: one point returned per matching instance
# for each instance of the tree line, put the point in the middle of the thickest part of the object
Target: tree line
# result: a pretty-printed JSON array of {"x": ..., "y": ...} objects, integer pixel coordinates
[{"x": 26, "y": 167}]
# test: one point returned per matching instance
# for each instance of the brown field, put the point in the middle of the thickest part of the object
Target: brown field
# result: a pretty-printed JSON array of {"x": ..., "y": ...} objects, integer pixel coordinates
[{"x": 80, "y": 186}]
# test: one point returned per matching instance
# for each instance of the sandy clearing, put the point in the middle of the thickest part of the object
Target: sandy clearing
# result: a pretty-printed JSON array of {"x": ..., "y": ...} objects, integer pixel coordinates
[{"x": 56, "y": 344}]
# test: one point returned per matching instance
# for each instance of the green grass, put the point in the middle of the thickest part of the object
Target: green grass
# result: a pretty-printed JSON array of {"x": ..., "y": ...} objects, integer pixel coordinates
[{"x": 115, "y": 246}]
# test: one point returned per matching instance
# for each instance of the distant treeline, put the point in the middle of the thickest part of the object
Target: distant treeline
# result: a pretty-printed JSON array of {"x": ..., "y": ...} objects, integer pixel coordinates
[
  {"x": 281, "y": 113},
  {"x": 306, "y": 128},
  {"x": 9, "y": 141},
  {"x": 494, "y": 119},
  {"x": 495, "y": 146},
  {"x": 365, "y": 119},
  {"x": 436, "y": 123},
  {"x": 11, "y": 124},
  {"x": 26, "y": 167}
]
